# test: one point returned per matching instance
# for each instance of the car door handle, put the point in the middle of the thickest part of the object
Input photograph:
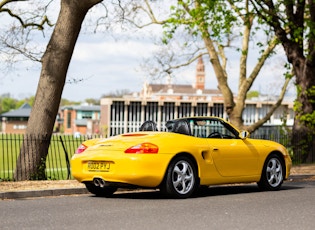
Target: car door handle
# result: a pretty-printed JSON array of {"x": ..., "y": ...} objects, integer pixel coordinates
[{"x": 215, "y": 149}]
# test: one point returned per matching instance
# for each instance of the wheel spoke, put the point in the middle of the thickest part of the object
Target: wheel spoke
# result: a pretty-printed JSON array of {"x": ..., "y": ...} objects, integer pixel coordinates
[
  {"x": 270, "y": 180},
  {"x": 185, "y": 167},
  {"x": 183, "y": 186},
  {"x": 278, "y": 169},
  {"x": 176, "y": 176},
  {"x": 274, "y": 163},
  {"x": 177, "y": 181},
  {"x": 177, "y": 170},
  {"x": 188, "y": 177}
]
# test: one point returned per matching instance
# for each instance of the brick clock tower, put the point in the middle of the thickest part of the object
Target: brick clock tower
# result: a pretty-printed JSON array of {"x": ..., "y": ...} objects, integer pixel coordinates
[{"x": 200, "y": 75}]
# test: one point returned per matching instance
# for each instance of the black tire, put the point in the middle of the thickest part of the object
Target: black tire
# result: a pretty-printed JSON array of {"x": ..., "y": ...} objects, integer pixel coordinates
[
  {"x": 272, "y": 174},
  {"x": 181, "y": 179},
  {"x": 101, "y": 192}
]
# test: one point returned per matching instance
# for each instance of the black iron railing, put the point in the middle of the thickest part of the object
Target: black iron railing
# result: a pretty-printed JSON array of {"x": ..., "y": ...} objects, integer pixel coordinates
[{"x": 61, "y": 149}]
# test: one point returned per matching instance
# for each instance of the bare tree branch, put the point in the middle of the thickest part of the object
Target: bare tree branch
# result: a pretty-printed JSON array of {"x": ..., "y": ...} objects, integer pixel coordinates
[
  {"x": 272, "y": 109},
  {"x": 24, "y": 24}
]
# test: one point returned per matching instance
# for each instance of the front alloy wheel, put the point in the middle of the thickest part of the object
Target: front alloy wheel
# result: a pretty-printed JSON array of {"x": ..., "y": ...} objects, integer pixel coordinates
[
  {"x": 272, "y": 175},
  {"x": 180, "y": 180}
]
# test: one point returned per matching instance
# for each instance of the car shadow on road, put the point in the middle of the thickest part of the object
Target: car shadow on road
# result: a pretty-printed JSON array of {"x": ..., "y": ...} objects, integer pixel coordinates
[
  {"x": 225, "y": 190},
  {"x": 220, "y": 190}
]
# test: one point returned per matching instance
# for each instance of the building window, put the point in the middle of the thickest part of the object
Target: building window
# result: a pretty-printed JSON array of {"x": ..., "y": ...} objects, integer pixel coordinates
[
  {"x": 19, "y": 126},
  {"x": 151, "y": 111},
  {"x": 69, "y": 120},
  {"x": 184, "y": 110},
  {"x": 87, "y": 114}
]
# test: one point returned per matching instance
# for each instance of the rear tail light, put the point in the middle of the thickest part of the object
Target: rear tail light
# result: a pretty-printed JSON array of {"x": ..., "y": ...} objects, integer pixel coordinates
[
  {"x": 143, "y": 148},
  {"x": 81, "y": 148}
]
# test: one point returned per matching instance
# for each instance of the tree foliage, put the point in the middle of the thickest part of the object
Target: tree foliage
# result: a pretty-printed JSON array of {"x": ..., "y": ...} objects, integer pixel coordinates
[
  {"x": 252, "y": 94},
  {"x": 293, "y": 22},
  {"x": 215, "y": 29},
  {"x": 117, "y": 93},
  {"x": 8, "y": 103}
]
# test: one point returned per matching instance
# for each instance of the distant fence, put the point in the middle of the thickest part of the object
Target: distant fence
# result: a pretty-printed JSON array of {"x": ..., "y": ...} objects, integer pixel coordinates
[
  {"x": 62, "y": 148},
  {"x": 281, "y": 135},
  {"x": 274, "y": 133}
]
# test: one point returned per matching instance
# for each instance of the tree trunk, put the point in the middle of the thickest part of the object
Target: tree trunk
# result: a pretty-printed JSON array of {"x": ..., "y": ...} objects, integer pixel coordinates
[
  {"x": 302, "y": 143},
  {"x": 298, "y": 41},
  {"x": 55, "y": 63},
  {"x": 303, "y": 133}
]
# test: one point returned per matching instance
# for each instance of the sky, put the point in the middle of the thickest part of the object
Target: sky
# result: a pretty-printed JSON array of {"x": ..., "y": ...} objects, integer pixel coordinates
[
  {"x": 97, "y": 67},
  {"x": 102, "y": 64}
]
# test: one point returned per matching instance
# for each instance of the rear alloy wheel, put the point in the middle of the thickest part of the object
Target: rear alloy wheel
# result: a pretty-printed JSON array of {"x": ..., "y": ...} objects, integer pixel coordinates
[
  {"x": 181, "y": 178},
  {"x": 272, "y": 174},
  {"x": 100, "y": 191}
]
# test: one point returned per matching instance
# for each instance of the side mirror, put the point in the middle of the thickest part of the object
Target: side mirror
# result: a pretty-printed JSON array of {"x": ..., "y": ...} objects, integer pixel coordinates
[{"x": 243, "y": 134}]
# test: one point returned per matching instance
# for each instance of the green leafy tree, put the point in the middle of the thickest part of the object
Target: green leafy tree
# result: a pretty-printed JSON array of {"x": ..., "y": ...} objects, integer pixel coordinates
[
  {"x": 252, "y": 94},
  {"x": 29, "y": 100},
  {"x": 212, "y": 28},
  {"x": 92, "y": 101},
  {"x": 7, "y": 104},
  {"x": 65, "y": 102},
  {"x": 294, "y": 24},
  {"x": 117, "y": 93}
]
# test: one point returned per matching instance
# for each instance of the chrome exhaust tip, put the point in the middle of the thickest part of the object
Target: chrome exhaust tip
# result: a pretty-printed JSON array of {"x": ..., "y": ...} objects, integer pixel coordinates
[
  {"x": 102, "y": 183},
  {"x": 96, "y": 182}
]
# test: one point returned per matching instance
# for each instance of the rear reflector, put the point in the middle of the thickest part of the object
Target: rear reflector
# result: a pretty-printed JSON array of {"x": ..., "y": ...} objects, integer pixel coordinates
[
  {"x": 143, "y": 148},
  {"x": 81, "y": 148},
  {"x": 134, "y": 135}
]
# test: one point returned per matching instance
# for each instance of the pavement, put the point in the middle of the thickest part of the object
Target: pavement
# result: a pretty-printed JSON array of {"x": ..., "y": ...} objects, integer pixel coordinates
[
  {"x": 42, "y": 193},
  {"x": 29, "y": 189}
]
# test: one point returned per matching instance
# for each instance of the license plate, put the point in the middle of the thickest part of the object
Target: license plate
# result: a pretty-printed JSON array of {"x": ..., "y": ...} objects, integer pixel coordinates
[{"x": 98, "y": 166}]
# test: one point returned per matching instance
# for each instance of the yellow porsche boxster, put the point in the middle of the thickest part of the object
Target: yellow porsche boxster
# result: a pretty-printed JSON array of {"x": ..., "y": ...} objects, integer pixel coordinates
[{"x": 188, "y": 154}]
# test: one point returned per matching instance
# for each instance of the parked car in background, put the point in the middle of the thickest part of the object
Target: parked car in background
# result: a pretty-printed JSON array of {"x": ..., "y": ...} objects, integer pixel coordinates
[{"x": 190, "y": 153}]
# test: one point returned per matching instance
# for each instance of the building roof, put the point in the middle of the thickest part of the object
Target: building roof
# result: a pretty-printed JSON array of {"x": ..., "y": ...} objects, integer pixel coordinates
[
  {"x": 81, "y": 122},
  {"x": 179, "y": 89},
  {"x": 23, "y": 111},
  {"x": 82, "y": 107}
]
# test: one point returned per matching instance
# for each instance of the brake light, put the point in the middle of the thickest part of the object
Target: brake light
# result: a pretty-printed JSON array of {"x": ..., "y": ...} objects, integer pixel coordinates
[
  {"x": 81, "y": 148},
  {"x": 143, "y": 148}
]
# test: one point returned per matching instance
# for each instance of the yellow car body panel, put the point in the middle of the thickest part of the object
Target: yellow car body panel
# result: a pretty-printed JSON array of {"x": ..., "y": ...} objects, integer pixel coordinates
[
  {"x": 135, "y": 169},
  {"x": 218, "y": 161}
]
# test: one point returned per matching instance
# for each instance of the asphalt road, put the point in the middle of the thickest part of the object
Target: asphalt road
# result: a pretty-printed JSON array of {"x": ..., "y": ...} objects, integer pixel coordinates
[{"x": 220, "y": 207}]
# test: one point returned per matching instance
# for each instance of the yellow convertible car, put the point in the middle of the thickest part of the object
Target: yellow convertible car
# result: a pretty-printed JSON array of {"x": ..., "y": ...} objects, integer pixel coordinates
[{"x": 190, "y": 153}]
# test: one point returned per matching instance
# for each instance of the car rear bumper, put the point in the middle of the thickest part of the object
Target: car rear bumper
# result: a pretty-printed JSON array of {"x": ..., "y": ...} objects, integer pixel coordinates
[{"x": 134, "y": 169}]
